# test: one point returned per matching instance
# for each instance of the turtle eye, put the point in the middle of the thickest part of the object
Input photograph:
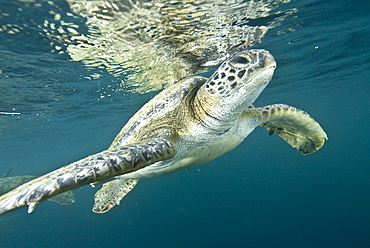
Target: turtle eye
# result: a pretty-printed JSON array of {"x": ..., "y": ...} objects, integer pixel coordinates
[{"x": 240, "y": 60}]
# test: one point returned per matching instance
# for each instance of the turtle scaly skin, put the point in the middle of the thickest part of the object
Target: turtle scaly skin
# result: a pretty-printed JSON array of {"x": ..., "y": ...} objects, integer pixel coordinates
[{"x": 191, "y": 122}]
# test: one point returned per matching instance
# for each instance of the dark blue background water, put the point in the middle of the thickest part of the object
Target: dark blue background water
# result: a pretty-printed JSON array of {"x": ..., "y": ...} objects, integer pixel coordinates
[{"x": 262, "y": 194}]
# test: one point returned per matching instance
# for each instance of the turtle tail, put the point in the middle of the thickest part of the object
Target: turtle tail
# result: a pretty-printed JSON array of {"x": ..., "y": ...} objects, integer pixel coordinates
[{"x": 94, "y": 168}]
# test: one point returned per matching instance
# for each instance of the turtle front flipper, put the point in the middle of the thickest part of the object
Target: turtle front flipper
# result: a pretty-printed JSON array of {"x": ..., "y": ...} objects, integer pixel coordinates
[
  {"x": 295, "y": 126},
  {"x": 112, "y": 193},
  {"x": 106, "y": 164}
]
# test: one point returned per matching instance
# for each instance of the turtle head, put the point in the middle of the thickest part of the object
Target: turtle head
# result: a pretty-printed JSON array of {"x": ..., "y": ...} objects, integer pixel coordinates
[{"x": 238, "y": 82}]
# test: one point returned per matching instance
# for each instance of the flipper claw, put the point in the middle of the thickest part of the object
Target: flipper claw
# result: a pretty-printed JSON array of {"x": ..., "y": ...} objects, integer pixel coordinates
[{"x": 31, "y": 207}]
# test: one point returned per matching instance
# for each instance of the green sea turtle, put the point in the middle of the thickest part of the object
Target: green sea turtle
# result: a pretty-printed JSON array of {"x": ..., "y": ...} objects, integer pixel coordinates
[
  {"x": 189, "y": 123},
  {"x": 9, "y": 183}
]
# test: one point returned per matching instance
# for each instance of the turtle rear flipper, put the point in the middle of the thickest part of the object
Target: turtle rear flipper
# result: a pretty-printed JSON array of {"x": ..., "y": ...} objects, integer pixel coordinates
[
  {"x": 65, "y": 198},
  {"x": 295, "y": 126},
  {"x": 112, "y": 193},
  {"x": 106, "y": 164}
]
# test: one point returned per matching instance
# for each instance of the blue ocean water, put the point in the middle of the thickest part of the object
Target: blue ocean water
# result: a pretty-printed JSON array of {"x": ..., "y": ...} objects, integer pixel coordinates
[{"x": 262, "y": 194}]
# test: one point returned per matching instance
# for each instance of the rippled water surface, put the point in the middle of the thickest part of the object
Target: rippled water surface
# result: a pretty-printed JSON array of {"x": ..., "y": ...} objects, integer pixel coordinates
[{"x": 72, "y": 74}]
